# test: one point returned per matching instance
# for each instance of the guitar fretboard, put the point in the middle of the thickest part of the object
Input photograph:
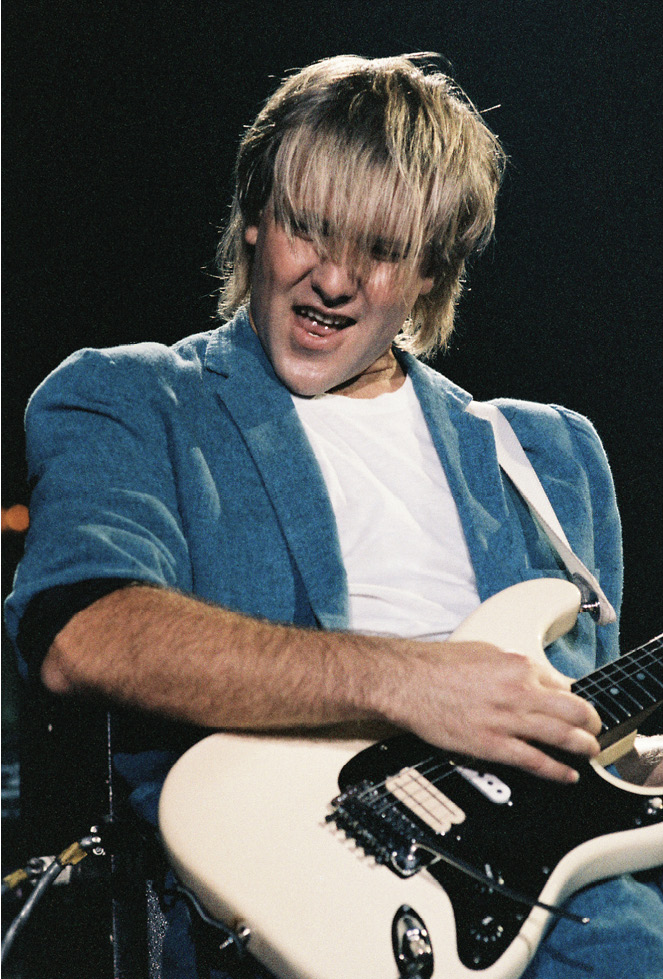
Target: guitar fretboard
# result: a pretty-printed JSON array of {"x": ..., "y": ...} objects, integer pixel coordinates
[{"x": 625, "y": 690}]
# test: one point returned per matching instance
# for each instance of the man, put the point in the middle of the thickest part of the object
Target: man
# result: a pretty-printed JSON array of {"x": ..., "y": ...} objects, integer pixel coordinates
[{"x": 281, "y": 521}]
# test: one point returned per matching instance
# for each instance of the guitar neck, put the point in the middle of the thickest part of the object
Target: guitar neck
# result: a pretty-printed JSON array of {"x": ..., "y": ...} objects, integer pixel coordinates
[{"x": 625, "y": 691}]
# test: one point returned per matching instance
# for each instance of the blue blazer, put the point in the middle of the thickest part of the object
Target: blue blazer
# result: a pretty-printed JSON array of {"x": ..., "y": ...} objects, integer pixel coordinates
[{"x": 187, "y": 467}]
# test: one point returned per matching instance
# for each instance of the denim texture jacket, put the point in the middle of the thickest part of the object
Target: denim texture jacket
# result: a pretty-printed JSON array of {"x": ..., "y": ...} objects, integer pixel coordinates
[{"x": 187, "y": 467}]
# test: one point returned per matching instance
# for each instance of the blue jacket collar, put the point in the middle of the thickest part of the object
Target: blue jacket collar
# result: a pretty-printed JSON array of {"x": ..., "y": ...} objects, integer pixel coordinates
[{"x": 292, "y": 478}]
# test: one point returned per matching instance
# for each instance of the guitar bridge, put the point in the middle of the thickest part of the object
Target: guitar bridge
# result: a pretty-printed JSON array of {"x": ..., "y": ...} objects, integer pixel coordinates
[{"x": 383, "y": 832}]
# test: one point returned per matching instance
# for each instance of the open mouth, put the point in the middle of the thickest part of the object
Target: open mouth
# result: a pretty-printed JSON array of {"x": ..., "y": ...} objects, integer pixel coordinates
[{"x": 319, "y": 323}]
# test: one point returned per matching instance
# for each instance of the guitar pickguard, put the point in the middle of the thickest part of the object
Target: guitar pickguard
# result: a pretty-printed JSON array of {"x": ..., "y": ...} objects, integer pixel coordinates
[{"x": 515, "y": 841}]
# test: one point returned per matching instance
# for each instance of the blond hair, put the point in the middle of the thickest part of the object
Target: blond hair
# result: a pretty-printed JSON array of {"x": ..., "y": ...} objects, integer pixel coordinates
[{"x": 380, "y": 153}]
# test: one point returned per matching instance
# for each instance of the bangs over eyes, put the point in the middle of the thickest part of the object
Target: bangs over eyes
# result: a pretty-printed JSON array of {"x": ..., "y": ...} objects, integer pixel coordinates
[
  {"x": 337, "y": 242},
  {"x": 348, "y": 198}
]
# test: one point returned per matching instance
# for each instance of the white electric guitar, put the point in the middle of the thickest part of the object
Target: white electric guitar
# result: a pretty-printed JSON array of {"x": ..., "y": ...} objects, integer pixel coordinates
[{"x": 425, "y": 865}]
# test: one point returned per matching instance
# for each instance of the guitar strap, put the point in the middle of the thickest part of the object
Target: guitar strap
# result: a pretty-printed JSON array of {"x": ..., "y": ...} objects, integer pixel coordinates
[{"x": 514, "y": 462}]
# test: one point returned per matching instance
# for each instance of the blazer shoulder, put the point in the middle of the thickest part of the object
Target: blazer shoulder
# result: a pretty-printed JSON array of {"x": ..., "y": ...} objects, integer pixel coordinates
[
  {"x": 538, "y": 420},
  {"x": 128, "y": 372}
]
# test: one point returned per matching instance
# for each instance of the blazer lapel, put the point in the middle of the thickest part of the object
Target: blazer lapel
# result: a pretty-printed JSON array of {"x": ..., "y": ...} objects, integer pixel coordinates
[
  {"x": 466, "y": 449},
  {"x": 265, "y": 415}
]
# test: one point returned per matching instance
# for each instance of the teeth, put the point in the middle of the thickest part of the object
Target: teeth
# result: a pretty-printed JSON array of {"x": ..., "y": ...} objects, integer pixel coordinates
[
  {"x": 322, "y": 320},
  {"x": 327, "y": 322}
]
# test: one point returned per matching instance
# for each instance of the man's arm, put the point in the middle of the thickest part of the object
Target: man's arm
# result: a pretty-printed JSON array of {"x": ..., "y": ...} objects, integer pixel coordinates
[{"x": 164, "y": 652}]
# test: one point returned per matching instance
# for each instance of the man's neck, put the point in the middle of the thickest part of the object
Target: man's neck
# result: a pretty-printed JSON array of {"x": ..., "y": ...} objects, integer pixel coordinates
[{"x": 383, "y": 377}]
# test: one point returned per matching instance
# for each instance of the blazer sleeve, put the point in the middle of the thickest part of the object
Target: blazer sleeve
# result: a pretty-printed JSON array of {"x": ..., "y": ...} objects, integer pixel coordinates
[{"x": 104, "y": 495}]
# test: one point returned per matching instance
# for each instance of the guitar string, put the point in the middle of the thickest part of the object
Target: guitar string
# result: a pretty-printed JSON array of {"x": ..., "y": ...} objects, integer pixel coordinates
[
  {"x": 646, "y": 664},
  {"x": 429, "y": 772},
  {"x": 634, "y": 664},
  {"x": 613, "y": 676},
  {"x": 631, "y": 672},
  {"x": 382, "y": 802},
  {"x": 418, "y": 766},
  {"x": 387, "y": 796},
  {"x": 626, "y": 666},
  {"x": 623, "y": 667},
  {"x": 429, "y": 768},
  {"x": 609, "y": 696},
  {"x": 620, "y": 676}
]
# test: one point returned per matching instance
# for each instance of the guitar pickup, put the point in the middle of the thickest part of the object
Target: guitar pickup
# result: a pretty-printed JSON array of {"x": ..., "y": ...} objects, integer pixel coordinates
[
  {"x": 425, "y": 800},
  {"x": 489, "y": 785}
]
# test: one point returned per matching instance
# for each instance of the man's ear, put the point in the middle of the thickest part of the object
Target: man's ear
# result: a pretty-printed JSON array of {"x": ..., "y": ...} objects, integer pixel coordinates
[
  {"x": 251, "y": 234},
  {"x": 426, "y": 286}
]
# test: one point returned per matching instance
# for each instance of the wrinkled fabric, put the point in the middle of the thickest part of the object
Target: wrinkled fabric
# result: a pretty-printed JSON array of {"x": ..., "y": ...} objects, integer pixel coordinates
[{"x": 187, "y": 467}]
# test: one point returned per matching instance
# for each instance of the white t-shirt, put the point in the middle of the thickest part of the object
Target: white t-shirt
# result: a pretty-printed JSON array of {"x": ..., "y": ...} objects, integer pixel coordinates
[{"x": 407, "y": 561}]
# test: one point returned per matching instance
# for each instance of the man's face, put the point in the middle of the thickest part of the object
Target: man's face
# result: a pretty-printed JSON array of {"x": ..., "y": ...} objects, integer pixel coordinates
[{"x": 319, "y": 323}]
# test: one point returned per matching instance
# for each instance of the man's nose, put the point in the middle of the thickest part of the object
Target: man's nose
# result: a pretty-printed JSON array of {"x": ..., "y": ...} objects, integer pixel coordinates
[{"x": 333, "y": 282}]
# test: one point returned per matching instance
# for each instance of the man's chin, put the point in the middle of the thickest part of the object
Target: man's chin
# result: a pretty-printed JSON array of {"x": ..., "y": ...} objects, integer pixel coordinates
[
  {"x": 305, "y": 390},
  {"x": 305, "y": 385}
]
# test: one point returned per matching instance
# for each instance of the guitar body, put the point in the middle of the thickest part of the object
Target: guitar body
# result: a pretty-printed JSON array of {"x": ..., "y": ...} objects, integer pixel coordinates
[{"x": 243, "y": 822}]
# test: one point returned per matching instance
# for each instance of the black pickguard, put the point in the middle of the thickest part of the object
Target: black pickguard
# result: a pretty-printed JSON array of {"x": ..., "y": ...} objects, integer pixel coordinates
[{"x": 518, "y": 843}]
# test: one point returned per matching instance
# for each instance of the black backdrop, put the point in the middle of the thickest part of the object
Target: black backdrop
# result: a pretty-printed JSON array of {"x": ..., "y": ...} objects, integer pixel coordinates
[{"x": 121, "y": 124}]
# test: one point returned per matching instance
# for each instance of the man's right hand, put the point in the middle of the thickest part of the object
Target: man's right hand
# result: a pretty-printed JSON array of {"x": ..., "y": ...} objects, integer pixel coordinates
[{"x": 500, "y": 706}]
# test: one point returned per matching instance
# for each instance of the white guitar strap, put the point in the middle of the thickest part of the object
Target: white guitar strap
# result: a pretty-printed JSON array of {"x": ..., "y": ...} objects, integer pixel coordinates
[{"x": 513, "y": 460}]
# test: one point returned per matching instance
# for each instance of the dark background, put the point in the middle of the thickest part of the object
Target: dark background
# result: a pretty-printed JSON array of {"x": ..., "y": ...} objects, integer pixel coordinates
[{"x": 121, "y": 125}]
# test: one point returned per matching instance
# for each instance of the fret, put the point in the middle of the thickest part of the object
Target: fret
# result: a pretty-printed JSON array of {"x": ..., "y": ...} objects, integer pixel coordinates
[
  {"x": 626, "y": 688},
  {"x": 638, "y": 692},
  {"x": 610, "y": 710},
  {"x": 638, "y": 696},
  {"x": 645, "y": 669},
  {"x": 654, "y": 671}
]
